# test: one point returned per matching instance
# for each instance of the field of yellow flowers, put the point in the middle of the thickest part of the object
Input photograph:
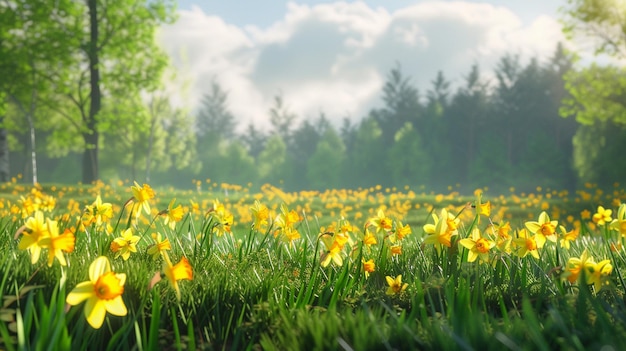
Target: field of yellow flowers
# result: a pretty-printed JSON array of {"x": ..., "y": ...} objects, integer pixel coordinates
[{"x": 126, "y": 266}]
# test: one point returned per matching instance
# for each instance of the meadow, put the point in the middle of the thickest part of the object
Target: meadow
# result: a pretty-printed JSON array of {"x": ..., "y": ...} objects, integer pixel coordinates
[{"x": 128, "y": 266}]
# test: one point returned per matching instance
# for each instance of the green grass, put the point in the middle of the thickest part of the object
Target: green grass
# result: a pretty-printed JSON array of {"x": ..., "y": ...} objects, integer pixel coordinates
[{"x": 253, "y": 291}]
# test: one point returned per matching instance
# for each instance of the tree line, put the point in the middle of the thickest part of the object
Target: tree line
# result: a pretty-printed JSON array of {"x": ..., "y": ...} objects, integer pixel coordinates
[{"x": 65, "y": 101}]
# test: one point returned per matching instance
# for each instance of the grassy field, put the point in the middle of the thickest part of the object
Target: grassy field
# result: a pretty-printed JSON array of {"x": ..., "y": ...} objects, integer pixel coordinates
[{"x": 220, "y": 267}]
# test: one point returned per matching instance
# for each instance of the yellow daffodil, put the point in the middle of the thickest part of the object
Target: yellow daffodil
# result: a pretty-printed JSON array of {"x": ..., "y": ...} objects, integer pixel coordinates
[
  {"x": 334, "y": 245},
  {"x": 619, "y": 223},
  {"x": 57, "y": 244},
  {"x": 440, "y": 233},
  {"x": 33, "y": 232},
  {"x": 478, "y": 246},
  {"x": 98, "y": 213},
  {"x": 160, "y": 246},
  {"x": 576, "y": 265},
  {"x": 125, "y": 244},
  {"x": 567, "y": 237},
  {"x": 142, "y": 195},
  {"x": 602, "y": 216},
  {"x": 368, "y": 267},
  {"x": 544, "y": 229},
  {"x": 369, "y": 239},
  {"x": 261, "y": 215},
  {"x": 174, "y": 273},
  {"x": 381, "y": 222},
  {"x": 102, "y": 293},
  {"x": 173, "y": 215},
  {"x": 395, "y": 285},
  {"x": 599, "y": 274},
  {"x": 526, "y": 244}
]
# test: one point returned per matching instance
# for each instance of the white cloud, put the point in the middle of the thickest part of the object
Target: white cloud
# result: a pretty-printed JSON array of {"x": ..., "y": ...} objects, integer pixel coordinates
[{"x": 334, "y": 57}]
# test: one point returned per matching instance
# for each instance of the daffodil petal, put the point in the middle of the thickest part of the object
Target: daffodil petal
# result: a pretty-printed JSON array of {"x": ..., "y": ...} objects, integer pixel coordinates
[
  {"x": 95, "y": 310},
  {"x": 80, "y": 293},
  {"x": 98, "y": 267},
  {"x": 116, "y": 306}
]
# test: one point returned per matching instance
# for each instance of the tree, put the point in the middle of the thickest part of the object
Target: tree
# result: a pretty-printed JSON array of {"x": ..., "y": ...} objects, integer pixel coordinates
[
  {"x": 214, "y": 119},
  {"x": 325, "y": 165},
  {"x": 272, "y": 159},
  {"x": 281, "y": 119},
  {"x": 254, "y": 140},
  {"x": 408, "y": 162},
  {"x": 465, "y": 116},
  {"x": 597, "y": 92},
  {"x": 599, "y": 22},
  {"x": 366, "y": 163},
  {"x": 33, "y": 36},
  {"x": 116, "y": 59},
  {"x": 401, "y": 105}
]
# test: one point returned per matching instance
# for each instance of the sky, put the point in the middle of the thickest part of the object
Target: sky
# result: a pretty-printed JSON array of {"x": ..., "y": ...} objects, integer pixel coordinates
[{"x": 333, "y": 57}]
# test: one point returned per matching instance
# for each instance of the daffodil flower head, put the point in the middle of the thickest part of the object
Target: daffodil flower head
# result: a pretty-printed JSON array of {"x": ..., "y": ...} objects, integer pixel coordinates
[
  {"x": 142, "y": 195},
  {"x": 602, "y": 216},
  {"x": 619, "y": 223},
  {"x": 125, "y": 244},
  {"x": 102, "y": 293},
  {"x": 34, "y": 232},
  {"x": 544, "y": 229},
  {"x": 180, "y": 271},
  {"x": 478, "y": 246},
  {"x": 395, "y": 285}
]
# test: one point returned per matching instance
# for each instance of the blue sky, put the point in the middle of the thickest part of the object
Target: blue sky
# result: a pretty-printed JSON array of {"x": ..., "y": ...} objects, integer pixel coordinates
[{"x": 332, "y": 57}]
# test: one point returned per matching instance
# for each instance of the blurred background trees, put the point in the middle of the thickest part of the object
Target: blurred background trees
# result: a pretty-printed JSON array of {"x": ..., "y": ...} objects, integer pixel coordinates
[{"x": 543, "y": 123}]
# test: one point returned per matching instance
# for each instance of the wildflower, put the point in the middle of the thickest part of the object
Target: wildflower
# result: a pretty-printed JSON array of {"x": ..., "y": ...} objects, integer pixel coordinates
[
  {"x": 526, "y": 244},
  {"x": 396, "y": 250},
  {"x": 603, "y": 216},
  {"x": 544, "y": 229},
  {"x": 286, "y": 218},
  {"x": 478, "y": 246},
  {"x": 33, "y": 232},
  {"x": 174, "y": 273},
  {"x": 143, "y": 195},
  {"x": 440, "y": 233},
  {"x": 291, "y": 234},
  {"x": 576, "y": 265},
  {"x": 599, "y": 273},
  {"x": 125, "y": 244},
  {"x": 334, "y": 245},
  {"x": 567, "y": 237},
  {"x": 57, "y": 244},
  {"x": 223, "y": 219},
  {"x": 369, "y": 239},
  {"x": 261, "y": 215},
  {"x": 368, "y": 267},
  {"x": 395, "y": 285},
  {"x": 619, "y": 223},
  {"x": 381, "y": 222},
  {"x": 585, "y": 214},
  {"x": 173, "y": 214},
  {"x": 400, "y": 232},
  {"x": 160, "y": 246},
  {"x": 97, "y": 213},
  {"x": 103, "y": 293}
]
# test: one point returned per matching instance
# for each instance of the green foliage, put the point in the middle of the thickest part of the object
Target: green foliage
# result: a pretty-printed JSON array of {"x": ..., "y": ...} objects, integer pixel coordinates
[
  {"x": 325, "y": 166},
  {"x": 408, "y": 161},
  {"x": 272, "y": 159},
  {"x": 596, "y": 93},
  {"x": 598, "y": 150}
]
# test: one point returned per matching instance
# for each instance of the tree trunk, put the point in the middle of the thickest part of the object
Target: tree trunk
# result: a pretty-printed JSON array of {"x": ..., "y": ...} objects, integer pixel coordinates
[
  {"x": 90, "y": 155},
  {"x": 4, "y": 155}
]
